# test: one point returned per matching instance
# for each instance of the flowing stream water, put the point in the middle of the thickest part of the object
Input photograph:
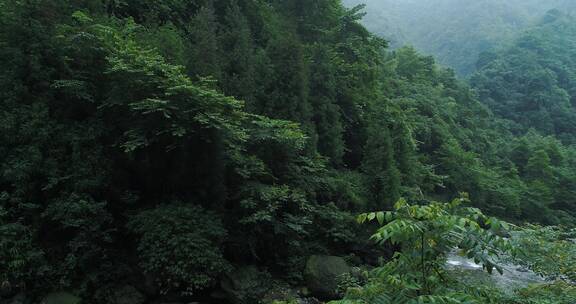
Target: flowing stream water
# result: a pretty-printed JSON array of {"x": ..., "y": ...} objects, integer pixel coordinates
[{"x": 514, "y": 276}]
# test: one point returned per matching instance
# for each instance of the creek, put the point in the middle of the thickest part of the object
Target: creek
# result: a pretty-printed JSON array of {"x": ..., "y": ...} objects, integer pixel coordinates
[{"x": 514, "y": 276}]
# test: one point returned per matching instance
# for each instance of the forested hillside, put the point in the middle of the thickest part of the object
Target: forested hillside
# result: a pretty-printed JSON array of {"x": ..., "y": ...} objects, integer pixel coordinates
[
  {"x": 455, "y": 31},
  {"x": 533, "y": 82},
  {"x": 217, "y": 151}
]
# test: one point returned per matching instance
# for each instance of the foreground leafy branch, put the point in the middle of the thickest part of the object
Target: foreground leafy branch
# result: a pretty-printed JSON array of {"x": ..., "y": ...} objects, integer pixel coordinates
[{"x": 426, "y": 234}]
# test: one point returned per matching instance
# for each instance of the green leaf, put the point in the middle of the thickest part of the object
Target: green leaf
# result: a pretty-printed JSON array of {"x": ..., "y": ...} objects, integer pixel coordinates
[
  {"x": 380, "y": 217},
  {"x": 361, "y": 218},
  {"x": 371, "y": 216}
]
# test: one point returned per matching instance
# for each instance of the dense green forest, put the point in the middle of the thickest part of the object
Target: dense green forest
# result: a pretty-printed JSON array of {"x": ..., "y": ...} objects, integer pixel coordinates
[
  {"x": 456, "y": 32},
  {"x": 533, "y": 82},
  {"x": 275, "y": 151}
]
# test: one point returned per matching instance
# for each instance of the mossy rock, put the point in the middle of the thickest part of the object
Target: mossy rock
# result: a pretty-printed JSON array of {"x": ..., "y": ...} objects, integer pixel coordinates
[
  {"x": 61, "y": 298},
  {"x": 322, "y": 273}
]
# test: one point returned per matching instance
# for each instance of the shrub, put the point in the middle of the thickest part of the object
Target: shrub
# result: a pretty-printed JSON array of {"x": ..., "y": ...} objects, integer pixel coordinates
[
  {"x": 549, "y": 251},
  {"x": 20, "y": 260},
  {"x": 80, "y": 229},
  {"x": 426, "y": 234},
  {"x": 179, "y": 246}
]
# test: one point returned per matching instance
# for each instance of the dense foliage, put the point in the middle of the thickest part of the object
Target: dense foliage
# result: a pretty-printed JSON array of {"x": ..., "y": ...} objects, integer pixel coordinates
[
  {"x": 428, "y": 233},
  {"x": 548, "y": 250},
  {"x": 532, "y": 83},
  {"x": 161, "y": 147}
]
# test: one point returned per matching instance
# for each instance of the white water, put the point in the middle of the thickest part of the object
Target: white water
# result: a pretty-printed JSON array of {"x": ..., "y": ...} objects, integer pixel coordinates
[{"x": 514, "y": 276}]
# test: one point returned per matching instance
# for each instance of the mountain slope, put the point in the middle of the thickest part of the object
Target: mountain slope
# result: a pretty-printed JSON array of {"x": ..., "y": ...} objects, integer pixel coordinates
[
  {"x": 533, "y": 82},
  {"x": 454, "y": 31}
]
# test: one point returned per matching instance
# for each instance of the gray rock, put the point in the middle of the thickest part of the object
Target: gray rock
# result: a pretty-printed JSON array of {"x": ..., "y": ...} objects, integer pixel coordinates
[{"x": 322, "y": 273}]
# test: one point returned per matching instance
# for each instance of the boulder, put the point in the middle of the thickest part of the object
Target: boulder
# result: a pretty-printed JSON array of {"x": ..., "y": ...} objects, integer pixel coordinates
[
  {"x": 61, "y": 298},
  {"x": 322, "y": 274}
]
